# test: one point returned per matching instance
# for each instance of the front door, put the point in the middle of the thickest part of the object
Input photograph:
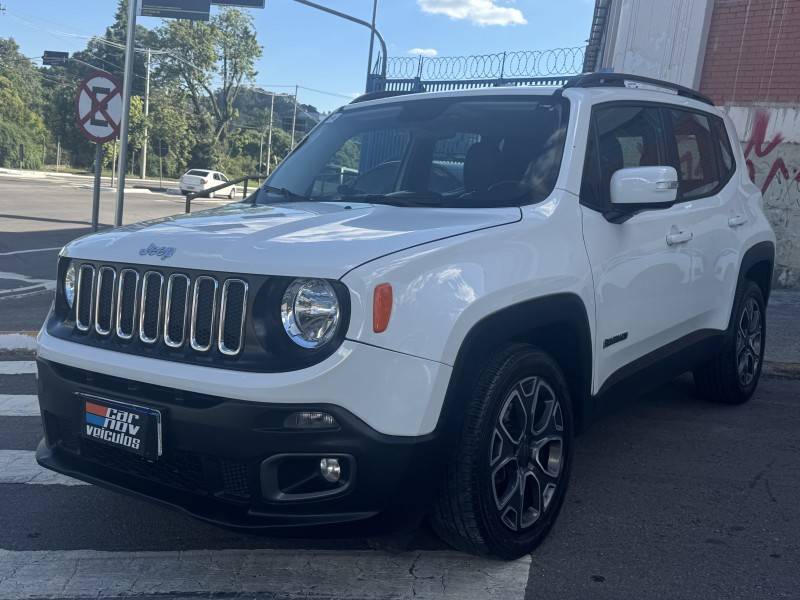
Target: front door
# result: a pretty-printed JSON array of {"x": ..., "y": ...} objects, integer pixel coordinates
[{"x": 644, "y": 269}]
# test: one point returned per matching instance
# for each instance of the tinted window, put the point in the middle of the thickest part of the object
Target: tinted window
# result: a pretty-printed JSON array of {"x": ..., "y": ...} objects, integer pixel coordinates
[
  {"x": 197, "y": 172},
  {"x": 466, "y": 151},
  {"x": 622, "y": 137},
  {"x": 694, "y": 146},
  {"x": 727, "y": 161}
]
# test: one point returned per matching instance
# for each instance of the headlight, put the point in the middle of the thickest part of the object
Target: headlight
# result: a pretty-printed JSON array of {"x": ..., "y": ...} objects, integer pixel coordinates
[
  {"x": 310, "y": 312},
  {"x": 69, "y": 286}
]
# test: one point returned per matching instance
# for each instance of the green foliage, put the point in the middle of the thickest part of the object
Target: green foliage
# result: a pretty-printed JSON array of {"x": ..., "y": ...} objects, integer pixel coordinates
[
  {"x": 202, "y": 111},
  {"x": 21, "y": 126}
]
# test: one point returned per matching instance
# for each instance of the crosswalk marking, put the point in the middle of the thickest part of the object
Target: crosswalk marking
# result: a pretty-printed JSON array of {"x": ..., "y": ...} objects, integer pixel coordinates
[
  {"x": 19, "y": 466},
  {"x": 293, "y": 573},
  {"x": 17, "y": 341},
  {"x": 17, "y": 367},
  {"x": 12, "y": 405}
]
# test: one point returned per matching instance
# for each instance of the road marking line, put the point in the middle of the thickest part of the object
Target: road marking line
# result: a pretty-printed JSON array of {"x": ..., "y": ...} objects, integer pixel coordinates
[
  {"x": 19, "y": 466},
  {"x": 34, "y": 286},
  {"x": 21, "y": 405},
  {"x": 17, "y": 367},
  {"x": 11, "y": 253},
  {"x": 17, "y": 341},
  {"x": 289, "y": 573}
]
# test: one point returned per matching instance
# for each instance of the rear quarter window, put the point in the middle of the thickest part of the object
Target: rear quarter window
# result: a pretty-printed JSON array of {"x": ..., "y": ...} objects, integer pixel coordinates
[{"x": 695, "y": 148}]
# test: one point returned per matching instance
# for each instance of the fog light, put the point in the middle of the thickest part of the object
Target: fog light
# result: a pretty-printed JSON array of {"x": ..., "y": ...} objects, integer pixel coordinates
[
  {"x": 330, "y": 469},
  {"x": 310, "y": 420}
]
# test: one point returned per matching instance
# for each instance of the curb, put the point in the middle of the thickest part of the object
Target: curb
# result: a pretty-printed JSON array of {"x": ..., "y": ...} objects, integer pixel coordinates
[{"x": 781, "y": 369}]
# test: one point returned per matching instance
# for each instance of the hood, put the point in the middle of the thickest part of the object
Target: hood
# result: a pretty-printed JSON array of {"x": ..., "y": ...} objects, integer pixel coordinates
[{"x": 307, "y": 239}]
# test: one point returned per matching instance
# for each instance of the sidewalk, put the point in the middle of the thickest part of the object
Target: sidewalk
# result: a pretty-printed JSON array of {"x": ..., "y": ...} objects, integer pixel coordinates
[
  {"x": 129, "y": 181},
  {"x": 782, "y": 355}
]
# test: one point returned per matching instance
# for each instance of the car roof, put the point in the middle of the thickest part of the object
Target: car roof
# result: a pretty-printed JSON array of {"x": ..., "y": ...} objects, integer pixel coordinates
[{"x": 586, "y": 81}]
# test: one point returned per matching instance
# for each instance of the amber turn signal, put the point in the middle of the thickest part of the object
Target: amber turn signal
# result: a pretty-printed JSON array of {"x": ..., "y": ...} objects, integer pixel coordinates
[{"x": 381, "y": 307}]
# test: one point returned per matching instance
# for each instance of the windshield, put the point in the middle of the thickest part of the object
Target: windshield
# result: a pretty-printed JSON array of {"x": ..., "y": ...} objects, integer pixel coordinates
[{"x": 465, "y": 152}]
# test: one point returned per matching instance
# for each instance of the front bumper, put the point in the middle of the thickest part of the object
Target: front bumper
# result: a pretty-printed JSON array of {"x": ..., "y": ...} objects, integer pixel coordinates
[{"x": 214, "y": 452}]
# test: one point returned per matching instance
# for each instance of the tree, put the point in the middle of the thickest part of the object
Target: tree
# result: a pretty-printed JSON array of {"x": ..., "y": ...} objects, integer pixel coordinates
[
  {"x": 224, "y": 49},
  {"x": 21, "y": 125}
]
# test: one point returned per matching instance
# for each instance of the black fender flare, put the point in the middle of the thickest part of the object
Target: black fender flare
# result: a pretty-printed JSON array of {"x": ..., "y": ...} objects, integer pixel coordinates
[
  {"x": 762, "y": 252},
  {"x": 557, "y": 323}
]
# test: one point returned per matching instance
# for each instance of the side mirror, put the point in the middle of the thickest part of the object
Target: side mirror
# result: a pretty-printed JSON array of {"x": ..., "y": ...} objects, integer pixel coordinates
[{"x": 641, "y": 188}]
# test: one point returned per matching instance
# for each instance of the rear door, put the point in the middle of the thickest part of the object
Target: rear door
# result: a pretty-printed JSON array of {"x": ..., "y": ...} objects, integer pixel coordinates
[
  {"x": 644, "y": 275},
  {"x": 703, "y": 158}
]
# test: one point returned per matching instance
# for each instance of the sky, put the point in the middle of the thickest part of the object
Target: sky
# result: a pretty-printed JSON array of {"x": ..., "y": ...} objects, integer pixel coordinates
[{"x": 316, "y": 50}]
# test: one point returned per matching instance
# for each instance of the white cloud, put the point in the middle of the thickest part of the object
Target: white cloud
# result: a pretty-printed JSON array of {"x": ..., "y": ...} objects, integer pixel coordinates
[
  {"x": 480, "y": 12},
  {"x": 429, "y": 52}
]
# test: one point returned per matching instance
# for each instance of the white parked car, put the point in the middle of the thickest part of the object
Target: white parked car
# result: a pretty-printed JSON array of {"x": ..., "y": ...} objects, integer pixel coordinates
[
  {"x": 198, "y": 180},
  {"x": 428, "y": 333}
]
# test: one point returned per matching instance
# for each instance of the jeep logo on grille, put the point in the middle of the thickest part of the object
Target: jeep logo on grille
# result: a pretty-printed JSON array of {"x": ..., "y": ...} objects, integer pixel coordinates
[{"x": 163, "y": 251}]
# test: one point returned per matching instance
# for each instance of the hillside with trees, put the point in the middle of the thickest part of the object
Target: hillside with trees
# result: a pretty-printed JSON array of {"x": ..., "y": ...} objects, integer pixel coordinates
[{"x": 204, "y": 109}]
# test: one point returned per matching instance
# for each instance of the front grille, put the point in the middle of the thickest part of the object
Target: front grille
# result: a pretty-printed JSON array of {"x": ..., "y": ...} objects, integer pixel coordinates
[
  {"x": 150, "y": 307},
  {"x": 83, "y": 305},
  {"x": 104, "y": 300},
  {"x": 178, "y": 310},
  {"x": 204, "y": 305}
]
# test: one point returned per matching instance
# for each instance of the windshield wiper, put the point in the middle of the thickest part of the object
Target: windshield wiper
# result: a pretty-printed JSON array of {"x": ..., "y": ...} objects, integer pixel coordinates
[
  {"x": 288, "y": 194},
  {"x": 402, "y": 198}
]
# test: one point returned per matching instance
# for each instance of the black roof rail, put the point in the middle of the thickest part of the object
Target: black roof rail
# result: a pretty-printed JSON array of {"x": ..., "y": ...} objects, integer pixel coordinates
[
  {"x": 382, "y": 94},
  {"x": 587, "y": 80}
]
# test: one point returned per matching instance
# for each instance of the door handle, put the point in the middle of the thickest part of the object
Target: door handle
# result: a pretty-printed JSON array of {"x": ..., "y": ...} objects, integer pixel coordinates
[
  {"x": 679, "y": 237},
  {"x": 737, "y": 221}
]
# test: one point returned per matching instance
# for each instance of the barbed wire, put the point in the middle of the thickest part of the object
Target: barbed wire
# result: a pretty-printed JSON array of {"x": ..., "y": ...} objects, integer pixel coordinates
[{"x": 518, "y": 63}]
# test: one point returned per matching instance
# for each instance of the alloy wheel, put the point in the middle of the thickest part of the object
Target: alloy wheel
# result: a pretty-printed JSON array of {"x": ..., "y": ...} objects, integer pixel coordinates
[
  {"x": 749, "y": 335},
  {"x": 527, "y": 453}
]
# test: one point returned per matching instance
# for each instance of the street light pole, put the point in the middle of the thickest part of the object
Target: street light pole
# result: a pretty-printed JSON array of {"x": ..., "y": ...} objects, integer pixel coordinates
[
  {"x": 269, "y": 137},
  {"x": 372, "y": 39},
  {"x": 353, "y": 19},
  {"x": 294, "y": 117},
  {"x": 146, "y": 114},
  {"x": 126, "y": 112}
]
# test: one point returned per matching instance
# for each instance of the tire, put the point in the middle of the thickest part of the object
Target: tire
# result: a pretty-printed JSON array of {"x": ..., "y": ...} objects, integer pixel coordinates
[
  {"x": 184, "y": 193},
  {"x": 479, "y": 508},
  {"x": 232, "y": 194},
  {"x": 212, "y": 195},
  {"x": 732, "y": 375}
]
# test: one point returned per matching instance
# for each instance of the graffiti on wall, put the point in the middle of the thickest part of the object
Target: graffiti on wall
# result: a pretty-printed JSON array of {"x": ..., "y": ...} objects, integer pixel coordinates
[
  {"x": 772, "y": 150},
  {"x": 767, "y": 161}
]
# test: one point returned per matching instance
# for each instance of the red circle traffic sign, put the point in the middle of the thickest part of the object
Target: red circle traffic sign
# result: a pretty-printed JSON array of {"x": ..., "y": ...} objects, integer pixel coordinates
[{"x": 98, "y": 107}]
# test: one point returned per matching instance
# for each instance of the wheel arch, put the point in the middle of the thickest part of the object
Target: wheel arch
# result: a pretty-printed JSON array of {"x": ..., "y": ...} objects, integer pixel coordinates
[
  {"x": 557, "y": 324},
  {"x": 757, "y": 266}
]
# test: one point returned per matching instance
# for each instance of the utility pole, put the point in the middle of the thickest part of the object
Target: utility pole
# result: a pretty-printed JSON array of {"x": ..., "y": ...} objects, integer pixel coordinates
[
  {"x": 269, "y": 138},
  {"x": 126, "y": 111},
  {"x": 146, "y": 113},
  {"x": 372, "y": 40},
  {"x": 353, "y": 19},
  {"x": 294, "y": 117},
  {"x": 58, "y": 155}
]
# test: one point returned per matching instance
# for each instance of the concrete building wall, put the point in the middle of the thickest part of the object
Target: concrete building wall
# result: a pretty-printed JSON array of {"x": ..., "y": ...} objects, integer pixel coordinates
[
  {"x": 770, "y": 135},
  {"x": 665, "y": 40},
  {"x": 752, "y": 70}
]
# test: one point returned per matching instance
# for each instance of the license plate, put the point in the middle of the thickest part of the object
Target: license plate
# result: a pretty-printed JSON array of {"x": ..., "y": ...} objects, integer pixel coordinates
[{"x": 136, "y": 429}]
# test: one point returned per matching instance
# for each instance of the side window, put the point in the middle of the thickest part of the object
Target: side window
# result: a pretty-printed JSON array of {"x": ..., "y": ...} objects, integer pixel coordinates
[
  {"x": 621, "y": 137},
  {"x": 727, "y": 161},
  {"x": 694, "y": 146}
]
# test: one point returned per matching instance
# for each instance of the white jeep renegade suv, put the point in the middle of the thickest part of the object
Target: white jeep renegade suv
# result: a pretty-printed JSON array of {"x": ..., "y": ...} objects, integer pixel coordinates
[{"x": 415, "y": 313}]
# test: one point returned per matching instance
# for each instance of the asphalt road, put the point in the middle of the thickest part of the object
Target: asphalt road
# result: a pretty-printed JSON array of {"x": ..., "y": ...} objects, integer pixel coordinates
[{"x": 670, "y": 497}]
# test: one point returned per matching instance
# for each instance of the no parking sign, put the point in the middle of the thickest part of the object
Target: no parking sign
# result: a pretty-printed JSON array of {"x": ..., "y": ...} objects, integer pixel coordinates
[{"x": 99, "y": 107}]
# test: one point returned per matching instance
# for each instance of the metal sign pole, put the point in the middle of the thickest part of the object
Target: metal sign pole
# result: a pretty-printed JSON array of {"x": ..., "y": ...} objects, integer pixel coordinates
[
  {"x": 126, "y": 112},
  {"x": 98, "y": 168}
]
